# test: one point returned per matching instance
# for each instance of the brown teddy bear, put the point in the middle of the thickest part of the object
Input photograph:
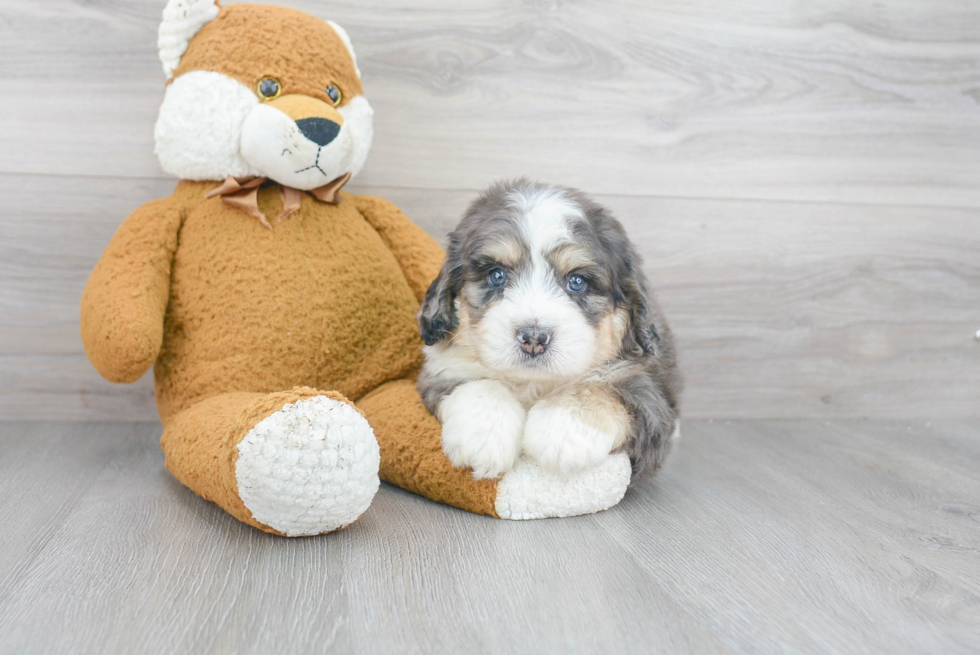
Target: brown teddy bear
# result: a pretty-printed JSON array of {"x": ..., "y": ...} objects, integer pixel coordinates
[{"x": 279, "y": 311}]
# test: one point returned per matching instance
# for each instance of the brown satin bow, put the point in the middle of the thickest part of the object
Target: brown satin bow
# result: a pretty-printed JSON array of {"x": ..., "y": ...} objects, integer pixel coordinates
[{"x": 243, "y": 193}]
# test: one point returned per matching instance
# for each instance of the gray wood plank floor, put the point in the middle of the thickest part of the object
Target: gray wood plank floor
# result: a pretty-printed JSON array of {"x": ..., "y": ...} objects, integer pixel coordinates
[
  {"x": 802, "y": 180},
  {"x": 846, "y": 536}
]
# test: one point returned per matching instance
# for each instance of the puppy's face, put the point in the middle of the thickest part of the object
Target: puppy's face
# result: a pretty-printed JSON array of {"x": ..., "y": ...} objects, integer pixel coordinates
[
  {"x": 537, "y": 284},
  {"x": 534, "y": 301}
]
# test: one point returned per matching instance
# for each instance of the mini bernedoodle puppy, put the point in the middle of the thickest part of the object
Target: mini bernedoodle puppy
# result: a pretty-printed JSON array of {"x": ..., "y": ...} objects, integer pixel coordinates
[{"x": 543, "y": 338}]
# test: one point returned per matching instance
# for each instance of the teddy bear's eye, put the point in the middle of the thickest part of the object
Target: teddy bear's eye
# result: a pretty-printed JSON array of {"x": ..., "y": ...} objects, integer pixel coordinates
[
  {"x": 334, "y": 94},
  {"x": 269, "y": 88}
]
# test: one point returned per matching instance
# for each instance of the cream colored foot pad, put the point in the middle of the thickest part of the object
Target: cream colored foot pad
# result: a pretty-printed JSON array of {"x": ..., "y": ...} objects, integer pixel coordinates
[
  {"x": 528, "y": 492},
  {"x": 311, "y": 467}
]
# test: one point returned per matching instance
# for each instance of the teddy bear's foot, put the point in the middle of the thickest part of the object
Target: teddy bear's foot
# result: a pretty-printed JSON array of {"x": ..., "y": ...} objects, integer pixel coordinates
[
  {"x": 294, "y": 463},
  {"x": 530, "y": 492},
  {"x": 309, "y": 468}
]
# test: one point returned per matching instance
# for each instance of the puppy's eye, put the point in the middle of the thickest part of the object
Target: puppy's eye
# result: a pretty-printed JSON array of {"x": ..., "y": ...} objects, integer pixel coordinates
[
  {"x": 269, "y": 88},
  {"x": 334, "y": 94},
  {"x": 576, "y": 284},
  {"x": 497, "y": 278}
]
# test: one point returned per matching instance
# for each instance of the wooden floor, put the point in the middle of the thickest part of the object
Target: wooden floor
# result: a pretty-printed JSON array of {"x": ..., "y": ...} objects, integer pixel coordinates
[{"x": 758, "y": 537}]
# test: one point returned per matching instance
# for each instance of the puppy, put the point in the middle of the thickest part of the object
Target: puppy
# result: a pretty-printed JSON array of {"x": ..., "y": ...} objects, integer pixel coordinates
[{"x": 542, "y": 338}]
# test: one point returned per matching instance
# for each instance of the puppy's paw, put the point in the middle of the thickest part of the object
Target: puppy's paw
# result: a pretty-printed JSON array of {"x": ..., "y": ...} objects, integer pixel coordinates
[
  {"x": 556, "y": 437},
  {"x": 481, "y": 427}
]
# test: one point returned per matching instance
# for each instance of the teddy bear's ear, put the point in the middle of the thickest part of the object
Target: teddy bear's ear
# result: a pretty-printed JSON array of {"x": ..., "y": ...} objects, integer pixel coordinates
[
  {"x": 342, "y": 33},
  {"x": 181, "y": 21}
]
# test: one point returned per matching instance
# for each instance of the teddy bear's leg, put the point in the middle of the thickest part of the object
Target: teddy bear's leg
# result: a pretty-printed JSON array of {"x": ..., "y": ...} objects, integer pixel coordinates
[
  {"x": 298, "y": 462},
  {"x": 411, "y": 450},
  {"x": 412, "y": 458}
]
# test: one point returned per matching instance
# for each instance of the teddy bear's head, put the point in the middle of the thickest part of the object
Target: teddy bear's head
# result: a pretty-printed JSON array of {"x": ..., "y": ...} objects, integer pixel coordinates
[{"x": 259, "y": 90}]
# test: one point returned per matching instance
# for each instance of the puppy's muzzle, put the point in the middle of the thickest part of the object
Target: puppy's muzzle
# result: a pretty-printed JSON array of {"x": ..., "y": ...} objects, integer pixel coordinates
[{"x": 533, "y": 340}]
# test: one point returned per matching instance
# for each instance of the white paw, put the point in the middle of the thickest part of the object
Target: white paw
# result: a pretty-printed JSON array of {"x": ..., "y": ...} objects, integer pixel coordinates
[
  {"x": 310, "y": 467},
  {"x": 481, "y": 427},
  {"x": 561, "y": 443}
]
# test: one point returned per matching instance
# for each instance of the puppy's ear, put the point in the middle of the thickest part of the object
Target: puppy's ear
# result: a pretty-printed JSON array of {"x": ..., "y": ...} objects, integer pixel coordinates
[
  {"x": 437, "y": 315},
  {"x": 641, "y": 337}
]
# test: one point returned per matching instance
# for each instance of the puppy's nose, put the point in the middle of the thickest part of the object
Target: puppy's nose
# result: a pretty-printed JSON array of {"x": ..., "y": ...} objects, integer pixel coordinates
[
  {"x": 533, "y": 340},
  {"x": 318, "y": 130}
]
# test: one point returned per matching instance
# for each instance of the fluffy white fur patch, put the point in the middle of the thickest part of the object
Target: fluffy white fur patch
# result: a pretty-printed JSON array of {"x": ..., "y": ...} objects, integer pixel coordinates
[
  {"x": 561, "y": 443},
  {"x": 182, "y": 19},
  {"x": 199, "y": 129},
  {"x": 528, "y": 492},
  {"x": 442, "y": 360},
  {"x": 481, "y": 427},
  {"x": 546, "y": 217},
  {"x": 309, "y": 468},
  {"x": 359, "y": 121},
  {"x": 536, "y": 301}
]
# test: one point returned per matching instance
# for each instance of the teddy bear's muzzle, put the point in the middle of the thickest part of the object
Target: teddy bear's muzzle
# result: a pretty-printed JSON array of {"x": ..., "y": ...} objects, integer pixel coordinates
[
  {"x": 299, "y": 106},
  {"x": 317, "y": 121},
  {"x": 298, "y": 141}
]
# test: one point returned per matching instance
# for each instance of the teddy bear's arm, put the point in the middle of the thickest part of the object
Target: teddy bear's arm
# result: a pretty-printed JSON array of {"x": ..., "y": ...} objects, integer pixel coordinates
[
  {"x": 418, "y": 254},
  {"x": 126, "y": 296}
]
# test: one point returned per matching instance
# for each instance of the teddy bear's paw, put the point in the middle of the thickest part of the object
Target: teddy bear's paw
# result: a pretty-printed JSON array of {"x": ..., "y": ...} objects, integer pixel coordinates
[
  {"x": 530, "y": 492},
  {"x": 309, "y": 468}
]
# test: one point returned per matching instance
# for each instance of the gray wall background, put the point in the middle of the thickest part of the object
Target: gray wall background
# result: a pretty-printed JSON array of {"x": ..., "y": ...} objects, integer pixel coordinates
[{"x": 803, "y": 179}]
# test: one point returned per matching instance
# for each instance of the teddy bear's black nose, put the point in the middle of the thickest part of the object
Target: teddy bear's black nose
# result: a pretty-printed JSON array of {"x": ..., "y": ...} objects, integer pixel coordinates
[{"x": 318, "y": 130}]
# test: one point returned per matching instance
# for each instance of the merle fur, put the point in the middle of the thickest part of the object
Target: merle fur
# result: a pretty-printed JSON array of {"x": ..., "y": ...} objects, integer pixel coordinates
[{"x": 644, "y": 375}]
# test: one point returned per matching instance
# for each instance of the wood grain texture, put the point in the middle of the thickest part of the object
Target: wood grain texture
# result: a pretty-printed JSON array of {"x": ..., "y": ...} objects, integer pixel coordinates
[
  {"x": 782, "y": 537},
  {"x": 801, "y": 178},
  {"x": 780, "y": 309},
  {"x": 746, "y": 99}
]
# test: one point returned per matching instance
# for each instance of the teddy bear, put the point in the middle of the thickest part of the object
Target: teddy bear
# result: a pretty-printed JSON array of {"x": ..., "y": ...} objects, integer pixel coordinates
[{"x": 278, "y": 311}]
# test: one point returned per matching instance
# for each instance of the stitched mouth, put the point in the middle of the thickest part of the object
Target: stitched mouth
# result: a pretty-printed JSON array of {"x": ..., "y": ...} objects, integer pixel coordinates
[{"x": 316, "y": 163}]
